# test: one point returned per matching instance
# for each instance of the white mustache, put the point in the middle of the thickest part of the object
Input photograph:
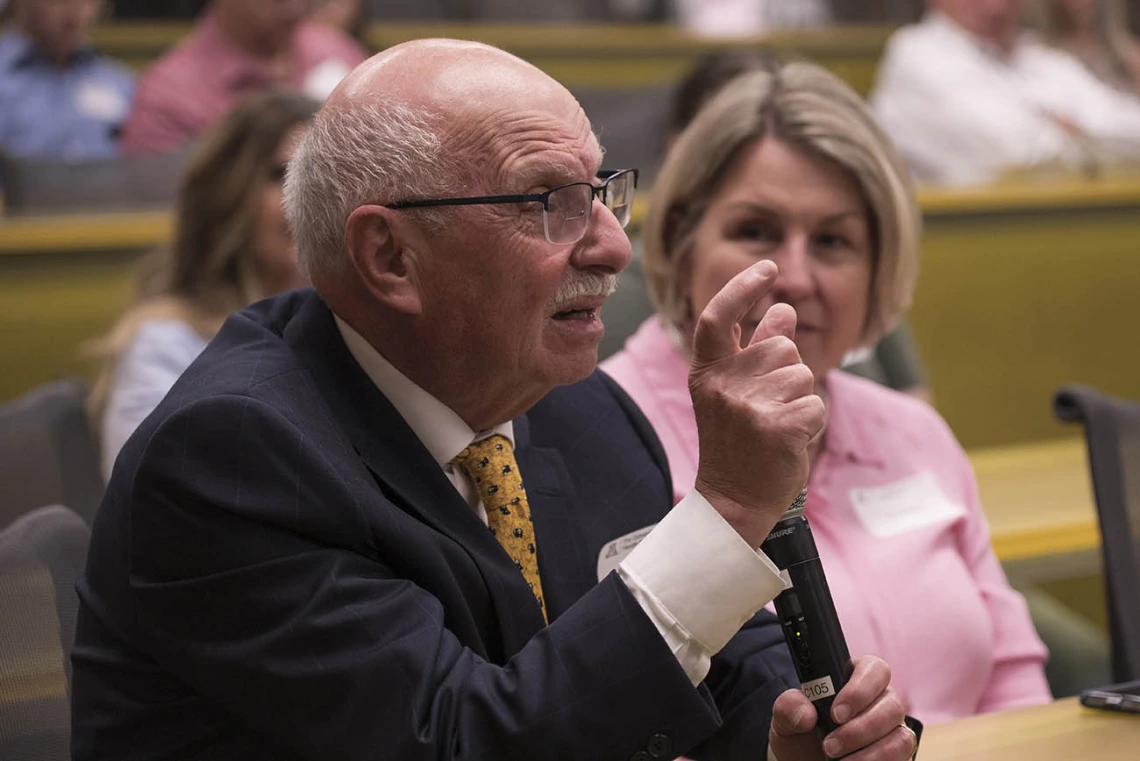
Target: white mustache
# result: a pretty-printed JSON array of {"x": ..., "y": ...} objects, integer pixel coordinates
[{"x": 584, "y": 285}]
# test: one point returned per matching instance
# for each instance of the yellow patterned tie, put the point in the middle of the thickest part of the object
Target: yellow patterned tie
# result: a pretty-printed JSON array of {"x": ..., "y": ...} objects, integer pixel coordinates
[{"x": 491, "y": 466}]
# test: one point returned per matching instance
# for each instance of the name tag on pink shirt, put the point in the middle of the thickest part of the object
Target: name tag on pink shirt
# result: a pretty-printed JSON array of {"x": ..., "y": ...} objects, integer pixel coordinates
[{"x": 911, "y": 503}]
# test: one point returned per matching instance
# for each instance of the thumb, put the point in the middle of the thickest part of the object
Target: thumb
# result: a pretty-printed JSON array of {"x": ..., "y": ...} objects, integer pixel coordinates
[
  {"x": 779, "y": 320},
  {"x": 791, "y": 737}
]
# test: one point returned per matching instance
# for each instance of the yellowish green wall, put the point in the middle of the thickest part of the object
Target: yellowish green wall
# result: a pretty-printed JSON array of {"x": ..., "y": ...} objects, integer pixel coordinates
[
  {"x": 50, "y": 304},
  {"x": 1011, "y": 306}
]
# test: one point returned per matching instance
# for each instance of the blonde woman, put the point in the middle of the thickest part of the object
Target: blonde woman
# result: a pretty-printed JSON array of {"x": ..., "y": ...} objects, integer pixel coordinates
[
  {"x": 790, "y": 166},
  {"x": 231, "y": 247}
]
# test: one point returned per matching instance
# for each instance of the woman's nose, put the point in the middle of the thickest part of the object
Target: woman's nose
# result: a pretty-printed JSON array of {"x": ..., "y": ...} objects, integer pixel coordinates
[{"x": 795, "y": 279}]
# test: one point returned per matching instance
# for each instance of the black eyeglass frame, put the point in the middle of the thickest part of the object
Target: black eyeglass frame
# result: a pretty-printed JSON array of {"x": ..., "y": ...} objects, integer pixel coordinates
[{"x": 543, "y": 198}]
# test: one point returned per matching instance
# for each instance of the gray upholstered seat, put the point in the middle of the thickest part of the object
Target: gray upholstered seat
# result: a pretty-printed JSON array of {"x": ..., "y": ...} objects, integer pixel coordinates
[
  {"x": 47, "y": 452},
  {"x": 41, "y": 186},
  {"x": 41, "y": 554}
]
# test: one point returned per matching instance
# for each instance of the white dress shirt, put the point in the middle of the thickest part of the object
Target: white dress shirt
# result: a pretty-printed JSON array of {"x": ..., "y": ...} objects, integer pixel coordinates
[
  {"x": 963, "y": 112},
  {"x": 159, "y": 352},
  {"x": 696, "y": 579}
]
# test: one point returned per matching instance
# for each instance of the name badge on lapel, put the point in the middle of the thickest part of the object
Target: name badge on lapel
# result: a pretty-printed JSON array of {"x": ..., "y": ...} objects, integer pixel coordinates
[
  {"x": 614, "y": 552},
  {"x": 905, "y": 505}
]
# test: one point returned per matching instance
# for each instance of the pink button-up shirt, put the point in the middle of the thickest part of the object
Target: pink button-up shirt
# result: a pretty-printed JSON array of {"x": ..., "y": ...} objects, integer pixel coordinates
[
  {"x": 196, "y": 83},
  {"x": 894, "y": 509}
]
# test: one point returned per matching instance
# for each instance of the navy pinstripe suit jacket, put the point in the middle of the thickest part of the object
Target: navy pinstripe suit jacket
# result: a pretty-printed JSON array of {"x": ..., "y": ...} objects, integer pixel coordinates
[{"x": 279, "y": 570}]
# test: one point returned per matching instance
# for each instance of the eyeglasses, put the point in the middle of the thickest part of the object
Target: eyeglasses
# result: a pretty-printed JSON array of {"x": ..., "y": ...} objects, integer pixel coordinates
[{"x": 565, "y": 209}]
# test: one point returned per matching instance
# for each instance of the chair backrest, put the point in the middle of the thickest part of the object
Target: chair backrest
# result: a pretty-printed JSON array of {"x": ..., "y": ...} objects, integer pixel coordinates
[
  {"x": 41, "y": 554},
  {"x": 33, "y": 185},
  {"x": 1112, "y": 429},
  {"x": 48, "y": 454}
]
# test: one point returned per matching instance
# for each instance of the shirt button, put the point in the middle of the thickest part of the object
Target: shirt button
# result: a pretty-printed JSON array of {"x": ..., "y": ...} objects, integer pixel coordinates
[{"x": 660, "y": 746}]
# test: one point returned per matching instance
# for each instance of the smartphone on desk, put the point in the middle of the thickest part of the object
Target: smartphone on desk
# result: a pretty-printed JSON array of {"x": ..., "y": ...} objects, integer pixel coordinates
[{"x": 1115, "y": 697}]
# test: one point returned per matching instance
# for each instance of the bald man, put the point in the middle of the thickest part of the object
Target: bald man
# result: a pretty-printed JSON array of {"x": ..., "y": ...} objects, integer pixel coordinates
[{"x": 400, "y": 516}]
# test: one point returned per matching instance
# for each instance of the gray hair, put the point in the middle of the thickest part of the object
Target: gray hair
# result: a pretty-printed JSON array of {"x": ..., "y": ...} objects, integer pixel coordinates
[
  {"x": 362, "y": 153},
  {"x": 810, "y": 109}
]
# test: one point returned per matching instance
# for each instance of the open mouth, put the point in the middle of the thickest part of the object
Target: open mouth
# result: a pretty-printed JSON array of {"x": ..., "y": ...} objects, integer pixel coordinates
[
  {"x": 579, "y": 309},
  {"x": 576, "y": 314}
]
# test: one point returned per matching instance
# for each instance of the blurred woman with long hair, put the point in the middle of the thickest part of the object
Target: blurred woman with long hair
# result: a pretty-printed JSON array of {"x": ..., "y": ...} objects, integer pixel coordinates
[{"x": 231, "y": 246}]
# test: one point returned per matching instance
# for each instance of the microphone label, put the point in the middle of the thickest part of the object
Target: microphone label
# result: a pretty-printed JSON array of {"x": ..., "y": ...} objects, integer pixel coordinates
[{"x": 818, "y": 689}]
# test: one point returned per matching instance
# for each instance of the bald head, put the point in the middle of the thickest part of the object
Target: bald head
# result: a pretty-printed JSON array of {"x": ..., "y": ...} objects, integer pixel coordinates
[
  {"x": 446, "y": 75},
  {"x": 421, "y": 119},
  {"x": 468, "y": 87}
]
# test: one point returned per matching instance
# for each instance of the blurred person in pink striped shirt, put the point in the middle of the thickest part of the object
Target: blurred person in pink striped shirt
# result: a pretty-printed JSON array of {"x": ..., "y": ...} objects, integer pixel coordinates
[{"x": 237, "y": 47}]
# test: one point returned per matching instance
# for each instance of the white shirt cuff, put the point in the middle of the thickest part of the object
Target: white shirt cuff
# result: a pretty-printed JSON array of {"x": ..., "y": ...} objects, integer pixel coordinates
[{"x": 698, "y": 581}]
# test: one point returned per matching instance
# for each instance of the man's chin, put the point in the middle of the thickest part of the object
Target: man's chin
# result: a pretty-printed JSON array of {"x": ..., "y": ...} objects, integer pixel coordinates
[{"x": 571, "y": 369}]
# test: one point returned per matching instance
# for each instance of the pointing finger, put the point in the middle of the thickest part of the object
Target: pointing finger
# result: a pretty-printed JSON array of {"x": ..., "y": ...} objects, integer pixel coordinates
[{"x": 717, "y": 335}]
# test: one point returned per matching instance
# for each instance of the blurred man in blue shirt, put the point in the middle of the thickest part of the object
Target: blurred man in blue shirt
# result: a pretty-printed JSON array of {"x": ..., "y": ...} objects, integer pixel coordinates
[{"x": 58, "y": 98}]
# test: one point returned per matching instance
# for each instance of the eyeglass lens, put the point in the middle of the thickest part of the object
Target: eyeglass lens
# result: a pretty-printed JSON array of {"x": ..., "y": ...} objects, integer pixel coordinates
[{"x": 568, "y": 212}]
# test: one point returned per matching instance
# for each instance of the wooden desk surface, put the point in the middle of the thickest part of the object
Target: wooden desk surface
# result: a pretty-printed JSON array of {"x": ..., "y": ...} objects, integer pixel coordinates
[
  {"x": 1060, "y": 731},
  {"x": 117, "y": 231},
  {"x": 1038, "y": 498}
]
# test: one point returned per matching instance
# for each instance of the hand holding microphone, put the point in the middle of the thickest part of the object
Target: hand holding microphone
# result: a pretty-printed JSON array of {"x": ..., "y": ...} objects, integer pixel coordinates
[
  {"x": 807, "y": 613},
  {"x": 823, "y": 664}
]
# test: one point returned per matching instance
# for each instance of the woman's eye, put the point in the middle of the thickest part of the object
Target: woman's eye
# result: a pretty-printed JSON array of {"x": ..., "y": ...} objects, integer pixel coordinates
[
  {"x": 831, "y": 240},
  {"x": 757, "y": 232}
]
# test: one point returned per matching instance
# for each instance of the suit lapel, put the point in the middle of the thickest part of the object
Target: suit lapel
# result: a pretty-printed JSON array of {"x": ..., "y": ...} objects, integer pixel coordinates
[
  {"x": 562, "y": 551},
  {"x": 406, "y": 470}
]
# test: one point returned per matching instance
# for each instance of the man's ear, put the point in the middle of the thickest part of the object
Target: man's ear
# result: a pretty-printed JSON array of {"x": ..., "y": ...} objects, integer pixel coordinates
[{"x": 376, "y": 242}]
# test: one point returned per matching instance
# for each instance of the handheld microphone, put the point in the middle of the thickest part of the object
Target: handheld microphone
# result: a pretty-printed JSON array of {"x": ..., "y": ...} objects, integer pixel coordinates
[{"x": 807, "y": 613}]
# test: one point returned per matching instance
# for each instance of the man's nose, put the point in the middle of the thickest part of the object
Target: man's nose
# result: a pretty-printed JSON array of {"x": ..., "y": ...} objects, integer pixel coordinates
[{"x": 605, "y": 244}]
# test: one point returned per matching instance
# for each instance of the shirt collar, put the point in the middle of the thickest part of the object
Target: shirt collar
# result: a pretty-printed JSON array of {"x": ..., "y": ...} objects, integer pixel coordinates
[
  {"x": 850, "y": 434},
  {"x": 441, "y": 430}
]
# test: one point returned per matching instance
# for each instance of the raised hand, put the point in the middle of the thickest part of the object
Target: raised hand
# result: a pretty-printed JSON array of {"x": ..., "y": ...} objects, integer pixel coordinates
[{"x": 755, "y": 407}]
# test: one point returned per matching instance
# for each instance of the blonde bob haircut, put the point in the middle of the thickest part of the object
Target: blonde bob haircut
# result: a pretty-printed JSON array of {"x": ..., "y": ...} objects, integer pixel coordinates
[{"x": 807, "y": 108}]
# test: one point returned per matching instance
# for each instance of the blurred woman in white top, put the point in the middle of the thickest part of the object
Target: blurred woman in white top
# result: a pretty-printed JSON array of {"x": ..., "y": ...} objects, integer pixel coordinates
[
  {"x": 231, "y": 246},
  {"x": 968, "y": 96}
]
